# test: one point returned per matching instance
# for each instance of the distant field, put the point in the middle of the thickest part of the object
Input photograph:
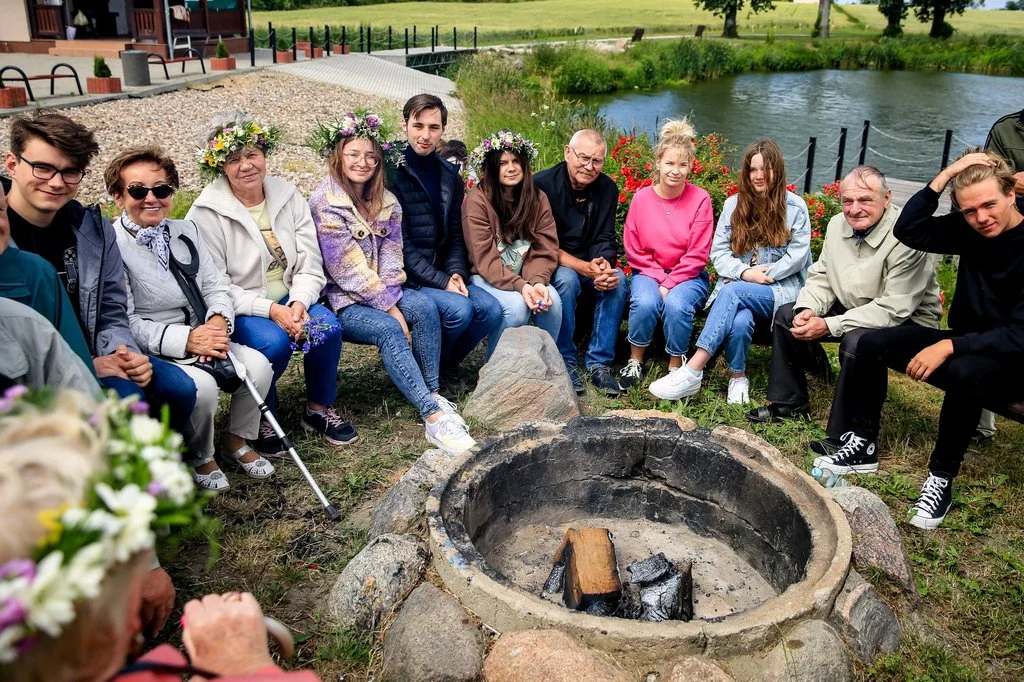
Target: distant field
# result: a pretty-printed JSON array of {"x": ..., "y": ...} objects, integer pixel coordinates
[{"x": 613, "y": 17}]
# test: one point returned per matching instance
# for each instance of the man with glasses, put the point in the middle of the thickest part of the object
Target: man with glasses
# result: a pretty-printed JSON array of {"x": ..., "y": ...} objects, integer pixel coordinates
[
  {"x": 46, "y": 164},
  {"x": 434, "y": 250},
  {"x": 583, "y": 201}
]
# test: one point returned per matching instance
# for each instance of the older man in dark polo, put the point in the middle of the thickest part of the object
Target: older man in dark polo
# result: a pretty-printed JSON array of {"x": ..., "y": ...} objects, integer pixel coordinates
[{"x": 583, "y": 200}]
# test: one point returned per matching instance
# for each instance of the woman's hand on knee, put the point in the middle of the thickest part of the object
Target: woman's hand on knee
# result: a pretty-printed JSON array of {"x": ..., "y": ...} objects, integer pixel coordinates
[
  {"x": 757, "y": 275},
  {"x": 400, "y": 318},
  {"x": 284, "y": 317}
]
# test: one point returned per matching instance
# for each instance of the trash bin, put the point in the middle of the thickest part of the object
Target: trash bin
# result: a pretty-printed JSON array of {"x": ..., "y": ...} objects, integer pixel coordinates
[{"x": 135, "y": 68}]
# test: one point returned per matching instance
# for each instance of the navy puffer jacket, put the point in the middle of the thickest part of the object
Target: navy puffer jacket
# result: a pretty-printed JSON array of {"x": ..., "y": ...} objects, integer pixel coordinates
[{"x": 433, "y": 252}]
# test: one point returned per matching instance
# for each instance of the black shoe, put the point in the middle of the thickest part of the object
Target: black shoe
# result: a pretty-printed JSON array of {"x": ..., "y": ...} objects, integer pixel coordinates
[
  {"x": 774, "y": 412},
  {"x": 329, "y": 425},
  {"x": 602, "y": 379},
  {"x": 267, "y": 443},
  {"x": 826, "y": 447},
  {"x": 631, "y": 375},
  {"x": 576, "y": 379},
  {"x": 451, "y": 382},
  {"x": 934, "y": 502},
  {"x": 857, "y": 455}
]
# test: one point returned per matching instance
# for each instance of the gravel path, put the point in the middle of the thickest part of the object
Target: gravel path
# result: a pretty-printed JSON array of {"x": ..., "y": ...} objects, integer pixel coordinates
[{"x": 176, "y": 121}]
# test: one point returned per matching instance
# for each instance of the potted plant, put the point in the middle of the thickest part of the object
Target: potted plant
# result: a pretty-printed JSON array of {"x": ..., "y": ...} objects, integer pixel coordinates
[
  {"x": 102, "y": 83},
  {"x": 12, "y": 97},
  {"x": 284, "y": 52},
  {"x": 314, "y": 51},
  {"x": 342, "y": 48},
  {"x": 223, "y": 61}
]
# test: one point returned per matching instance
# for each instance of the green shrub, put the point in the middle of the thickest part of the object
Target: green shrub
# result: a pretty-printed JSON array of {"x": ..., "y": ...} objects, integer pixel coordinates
[
  {"x": 100, "y": 68},
  {"x": 222, "y": 51},
  {"x": 584, "y": 74},
  {"x": 282, "y": 45},
  {"x": 545, "y": 58}
]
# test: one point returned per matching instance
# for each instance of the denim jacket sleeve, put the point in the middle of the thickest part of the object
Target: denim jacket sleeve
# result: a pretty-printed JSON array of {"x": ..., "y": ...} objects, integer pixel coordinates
[
  {"x": 726, "y": 263},
  {"x": 112, "y": 328},
  {"x": 798, "y": 252}
]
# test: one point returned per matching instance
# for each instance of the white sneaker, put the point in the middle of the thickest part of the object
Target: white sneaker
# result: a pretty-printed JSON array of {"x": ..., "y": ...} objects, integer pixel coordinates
[
  {"x": 681, "y": 383},
  {"x": 449, "y": 435},
  {"x": 739, "y": 391},
  {"x": 449, "y": 408}
]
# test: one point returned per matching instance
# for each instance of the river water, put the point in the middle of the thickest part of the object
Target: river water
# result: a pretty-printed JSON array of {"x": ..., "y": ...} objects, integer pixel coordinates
[{"x": 909, "y": 114}]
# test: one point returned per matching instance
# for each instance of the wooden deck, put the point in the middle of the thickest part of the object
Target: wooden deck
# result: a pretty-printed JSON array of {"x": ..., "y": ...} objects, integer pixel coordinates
[{"x": 902, "y": 190}]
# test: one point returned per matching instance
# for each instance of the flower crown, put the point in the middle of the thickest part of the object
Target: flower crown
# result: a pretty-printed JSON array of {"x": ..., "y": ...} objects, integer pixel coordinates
[
  {"x": 360, "y": 123},
  {"x": 505, "y": 141},
  {"x": 145, "y": 489},
  {"x": 231, "y": 139}
]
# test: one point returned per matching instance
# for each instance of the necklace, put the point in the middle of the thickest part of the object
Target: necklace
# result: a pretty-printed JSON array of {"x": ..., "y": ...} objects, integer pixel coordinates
[{"x": 674, "y": 203}]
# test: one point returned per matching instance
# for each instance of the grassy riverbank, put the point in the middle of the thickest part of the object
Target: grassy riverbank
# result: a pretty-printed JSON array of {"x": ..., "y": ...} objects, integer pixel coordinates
[{"x": 540, "y": 19}]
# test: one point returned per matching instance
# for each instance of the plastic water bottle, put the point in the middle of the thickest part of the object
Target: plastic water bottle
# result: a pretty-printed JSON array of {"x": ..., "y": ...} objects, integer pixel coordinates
[{"x": 829, "y": 480}]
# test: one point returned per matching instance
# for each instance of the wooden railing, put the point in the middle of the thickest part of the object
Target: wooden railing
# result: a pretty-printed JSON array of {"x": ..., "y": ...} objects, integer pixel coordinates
[
  {"x": 144, "y": 23},
  {"x": 49, "y": 22}
]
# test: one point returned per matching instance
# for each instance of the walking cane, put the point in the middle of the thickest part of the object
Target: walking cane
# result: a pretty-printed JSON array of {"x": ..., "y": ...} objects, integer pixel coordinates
[{"x": 332, "y": 513}]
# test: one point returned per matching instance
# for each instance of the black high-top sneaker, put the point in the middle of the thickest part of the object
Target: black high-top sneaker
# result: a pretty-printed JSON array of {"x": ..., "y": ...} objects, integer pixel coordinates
[
  {"x": 856, "y": 456},
  {"x": 933, "y": 503}
]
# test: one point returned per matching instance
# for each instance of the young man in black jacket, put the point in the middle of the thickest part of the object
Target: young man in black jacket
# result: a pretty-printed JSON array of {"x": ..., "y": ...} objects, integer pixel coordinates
[
  {"x": 430, "y": 191},
  {"x": 979, "y": 360},
  {"x": 583, "y": 201}
]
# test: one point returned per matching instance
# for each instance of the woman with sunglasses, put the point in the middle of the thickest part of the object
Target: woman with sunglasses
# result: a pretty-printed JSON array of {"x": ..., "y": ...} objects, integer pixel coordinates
[
  {"x": 260, "y": 232},
  {"x": 511, "y": 235},
  {"x": 142, "y": 181},
  {"x": 359, "y": 225}
]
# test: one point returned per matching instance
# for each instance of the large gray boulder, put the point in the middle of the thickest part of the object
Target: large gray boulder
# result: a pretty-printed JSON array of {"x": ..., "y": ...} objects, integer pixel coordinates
[
  {"x": 865, "y": 621},
  {"x": 375, "y": 580},
  {"x": 524, "y": 381},
  {"x": 403, "y": 503},
  {"x": 876, "y": 541},
  {"x": 433, "y": 640},
  {"x": 811, "y": 652}
]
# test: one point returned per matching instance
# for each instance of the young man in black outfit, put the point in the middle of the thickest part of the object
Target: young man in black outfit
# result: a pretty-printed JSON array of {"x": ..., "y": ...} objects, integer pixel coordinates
[
  {"x": 430, "y": 191},
  {"x": 980, "y": 359}
]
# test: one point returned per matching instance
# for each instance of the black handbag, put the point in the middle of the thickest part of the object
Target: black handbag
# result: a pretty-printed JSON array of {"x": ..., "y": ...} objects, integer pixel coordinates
[{"x": 222, "y": 369}]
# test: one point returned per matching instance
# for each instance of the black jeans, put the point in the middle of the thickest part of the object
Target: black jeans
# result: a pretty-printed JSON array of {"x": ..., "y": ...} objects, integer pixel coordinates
[
  {"x": 970, "y": 381},
  {"x": 787, "y": 380}
]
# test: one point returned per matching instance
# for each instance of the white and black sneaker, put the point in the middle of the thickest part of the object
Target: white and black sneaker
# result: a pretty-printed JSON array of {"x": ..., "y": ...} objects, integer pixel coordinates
[
  {"x": 631, "y": 374},
  {"x": 857, "y": 456},
  {"x": 933, "y": 503}
]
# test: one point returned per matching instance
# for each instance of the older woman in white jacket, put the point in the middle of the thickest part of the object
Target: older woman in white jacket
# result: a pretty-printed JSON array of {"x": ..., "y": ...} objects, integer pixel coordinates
[
  {"x": 142, "y": 181},
  {"x": 260, "y": 232}
]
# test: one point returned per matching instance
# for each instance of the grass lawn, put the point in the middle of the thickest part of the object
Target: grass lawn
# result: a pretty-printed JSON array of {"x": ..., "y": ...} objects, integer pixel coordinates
[{"x": 614, "y": 18}]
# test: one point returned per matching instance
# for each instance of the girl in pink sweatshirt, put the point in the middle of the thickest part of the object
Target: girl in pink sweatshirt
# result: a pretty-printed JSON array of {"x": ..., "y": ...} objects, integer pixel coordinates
[{"x": 667, "y": 238}]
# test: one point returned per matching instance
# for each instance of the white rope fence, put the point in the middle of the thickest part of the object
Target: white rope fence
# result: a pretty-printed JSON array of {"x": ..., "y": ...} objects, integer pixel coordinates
[{"x": 916, "y": 140}]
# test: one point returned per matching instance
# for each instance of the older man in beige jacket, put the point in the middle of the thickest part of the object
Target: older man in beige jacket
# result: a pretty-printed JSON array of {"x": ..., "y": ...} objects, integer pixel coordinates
[{"x": 864, "y": 279}]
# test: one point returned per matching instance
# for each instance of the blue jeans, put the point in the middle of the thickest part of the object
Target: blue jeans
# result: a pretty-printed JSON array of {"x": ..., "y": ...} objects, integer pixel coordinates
[
  {"x": 676, "y": 311},
  {"x": 169, "y": 386},
  {"x": 464, "y": 321},
  {"x": 731, "y": 320},
  {"x": 607, "y": 317},
  {"x": 414, "y": 371},
  {"x": 514, "y": 312},
  {"x": 320, "y": 363}
]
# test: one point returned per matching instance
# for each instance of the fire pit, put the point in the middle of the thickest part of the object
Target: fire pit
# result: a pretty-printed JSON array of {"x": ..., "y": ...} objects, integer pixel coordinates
[{"x": 768, "y": 547}]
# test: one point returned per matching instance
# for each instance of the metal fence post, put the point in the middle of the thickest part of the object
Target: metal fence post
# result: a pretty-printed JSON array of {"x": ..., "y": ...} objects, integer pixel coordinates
[
  {"x": 327, "y": 39},
  {"x": 474, "y": 37},
  {"x": 864, "y": 143},
  {"x": 252, "y": 47},
  {"x": 407, "y": 41},
  {"x": 369, "y": 39},
  {"x": 344, "y": 37},
  {"x": 312, "y": 40},
  {"x": 810, "y": 164},
  {"x": 945, "y": 148},
  {"x": 455, "y": 39},
  {"x": 295, "y": 45},
  {"x": 841, "y": 154},
  {"x": 272, "y": 37},
  {"x": 360, "y": 38},
  {"x": 433, "y": 38},
  {"x": 414, "y": 35}
]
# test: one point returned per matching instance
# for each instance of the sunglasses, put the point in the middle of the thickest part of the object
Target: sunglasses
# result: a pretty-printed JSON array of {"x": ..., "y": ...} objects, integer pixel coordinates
[{"x": 139, "y": 192}]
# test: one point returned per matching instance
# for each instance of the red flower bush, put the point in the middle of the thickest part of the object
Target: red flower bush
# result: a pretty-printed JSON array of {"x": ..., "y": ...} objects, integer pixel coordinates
[{"x": 821, "y": 206}]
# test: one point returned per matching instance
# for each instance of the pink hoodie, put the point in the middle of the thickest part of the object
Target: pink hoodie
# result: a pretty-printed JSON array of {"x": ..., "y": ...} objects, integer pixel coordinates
[{"x": 669, "y": 248}]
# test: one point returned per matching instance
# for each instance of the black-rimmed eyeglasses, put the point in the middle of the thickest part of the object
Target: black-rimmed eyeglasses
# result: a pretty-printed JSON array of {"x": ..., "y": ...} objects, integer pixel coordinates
[
  {"x": 587, "y": 160},
  {"x": 139, "y": 192},
  {"x": 44, "y": 171}
]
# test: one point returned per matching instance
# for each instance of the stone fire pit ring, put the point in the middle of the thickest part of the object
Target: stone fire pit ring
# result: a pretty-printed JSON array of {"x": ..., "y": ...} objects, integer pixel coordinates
[{"x": 726, "y": 484}]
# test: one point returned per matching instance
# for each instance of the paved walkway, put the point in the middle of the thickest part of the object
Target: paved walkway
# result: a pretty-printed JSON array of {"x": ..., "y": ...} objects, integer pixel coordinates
[{"x": 374, "y": 76}]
